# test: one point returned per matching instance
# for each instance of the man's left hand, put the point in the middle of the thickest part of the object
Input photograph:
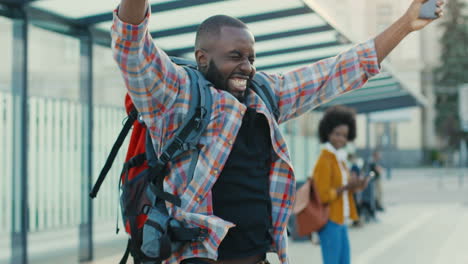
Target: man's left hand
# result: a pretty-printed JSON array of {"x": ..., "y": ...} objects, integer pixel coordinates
[{"x": 412, "y": 15}]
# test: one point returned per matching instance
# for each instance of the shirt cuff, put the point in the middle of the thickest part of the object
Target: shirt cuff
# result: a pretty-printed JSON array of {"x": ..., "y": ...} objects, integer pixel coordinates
[
  {"x": 368, "y": 58},
  {"x": 129, "y": 32}
]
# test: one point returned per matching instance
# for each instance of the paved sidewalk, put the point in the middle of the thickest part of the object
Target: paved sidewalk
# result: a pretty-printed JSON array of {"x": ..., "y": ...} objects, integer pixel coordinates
[
  {"x": 61, "y": 246},
  {"x": 412, "y": 234},
  {"x": 425, "y": 222},
  {"x": 415, "y": 233}
]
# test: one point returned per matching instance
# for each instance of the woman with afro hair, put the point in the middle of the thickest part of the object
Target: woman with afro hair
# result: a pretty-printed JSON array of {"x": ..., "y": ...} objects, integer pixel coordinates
[{"x": 334, "y": 184}]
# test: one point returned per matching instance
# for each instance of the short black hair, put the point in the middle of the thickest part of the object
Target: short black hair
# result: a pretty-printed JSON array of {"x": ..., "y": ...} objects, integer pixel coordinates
[
  {"x": 212, "y": 26},
  {"x": 337, "y": 116}
]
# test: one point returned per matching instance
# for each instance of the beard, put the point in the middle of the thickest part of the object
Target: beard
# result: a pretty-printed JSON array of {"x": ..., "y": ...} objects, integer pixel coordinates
[{"x": 214, "y": 75}]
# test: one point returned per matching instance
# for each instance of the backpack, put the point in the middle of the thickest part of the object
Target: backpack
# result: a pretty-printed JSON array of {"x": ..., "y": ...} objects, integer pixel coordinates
[{"x": 154, "y": 235}]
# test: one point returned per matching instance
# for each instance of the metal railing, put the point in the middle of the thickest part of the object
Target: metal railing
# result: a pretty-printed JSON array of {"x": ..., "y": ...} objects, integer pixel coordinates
[
  {"x": 6, "y": 151},
  {"x": 55, "y": 158}
]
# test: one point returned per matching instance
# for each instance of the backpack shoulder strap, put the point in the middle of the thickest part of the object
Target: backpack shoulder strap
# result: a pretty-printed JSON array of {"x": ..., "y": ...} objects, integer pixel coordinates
[
  {"x": 189, "y": 132},
  {"x": 187, "y": 135},
  {"x": 115, "y": 149},
  {"x": 184, "y": 62},
  {"x": 262, "y": 88}
]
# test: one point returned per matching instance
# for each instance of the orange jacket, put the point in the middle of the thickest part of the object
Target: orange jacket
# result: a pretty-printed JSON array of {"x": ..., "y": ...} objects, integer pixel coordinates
[{"x": 327, "y": 178}]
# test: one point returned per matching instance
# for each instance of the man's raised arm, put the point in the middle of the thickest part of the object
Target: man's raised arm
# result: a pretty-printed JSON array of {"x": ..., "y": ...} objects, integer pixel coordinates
[
  {"x": 409, "y": 22},
  {"x": 133, "y": 11},
  {"x": 152, "y": 80}
]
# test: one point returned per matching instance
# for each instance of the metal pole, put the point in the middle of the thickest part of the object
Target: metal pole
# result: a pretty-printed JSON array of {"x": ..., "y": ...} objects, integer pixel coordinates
[
  {"x": 19, "y": 238},
  {"x": 389, "y": 147},
  {"x": 463, "y": 157},
  {"x": 368, "y": 147},
  {"x": 86, "y": 97}
]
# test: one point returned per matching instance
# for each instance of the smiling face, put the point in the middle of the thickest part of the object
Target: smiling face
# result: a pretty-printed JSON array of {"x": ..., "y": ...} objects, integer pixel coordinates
[
  {"x": 227, "y": 60},
  {"x": 339, "y": 136}
]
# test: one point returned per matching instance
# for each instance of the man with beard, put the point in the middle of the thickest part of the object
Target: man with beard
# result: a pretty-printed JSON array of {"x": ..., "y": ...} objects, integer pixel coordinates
[{"x": 243, "y": 186}]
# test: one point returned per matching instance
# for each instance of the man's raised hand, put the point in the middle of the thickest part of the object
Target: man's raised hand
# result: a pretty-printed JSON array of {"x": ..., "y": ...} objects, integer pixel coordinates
[
  {"x": 412, "y": 14},
  {"x": 133, "y": 11}
]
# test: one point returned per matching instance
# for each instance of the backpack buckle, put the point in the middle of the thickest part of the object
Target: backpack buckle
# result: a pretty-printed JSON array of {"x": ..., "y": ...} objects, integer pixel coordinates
[
  {"x": 200, "y": 114},
  {"x": 198, "y": 122},
  {"x": 164, "y": 159},
  {"x": 146, "y": 209},
  {"x": 179, "y": 143}
]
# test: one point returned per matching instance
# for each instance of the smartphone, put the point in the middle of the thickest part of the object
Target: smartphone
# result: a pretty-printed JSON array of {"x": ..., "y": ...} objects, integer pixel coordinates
[
  {"x": 371, "y": 175},
  {"x": 428, "y": 10}
]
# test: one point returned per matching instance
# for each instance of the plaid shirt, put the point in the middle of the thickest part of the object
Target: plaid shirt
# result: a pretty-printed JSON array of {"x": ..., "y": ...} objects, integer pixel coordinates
[{"x": 161, "y": 92}]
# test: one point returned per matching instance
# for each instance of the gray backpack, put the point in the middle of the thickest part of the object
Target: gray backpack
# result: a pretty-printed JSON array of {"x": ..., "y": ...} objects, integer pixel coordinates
[{"x": 154, "y": 234}]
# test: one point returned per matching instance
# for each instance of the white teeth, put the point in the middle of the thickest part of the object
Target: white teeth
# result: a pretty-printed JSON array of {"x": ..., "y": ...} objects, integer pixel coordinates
[{"x": 240, "y": 82}]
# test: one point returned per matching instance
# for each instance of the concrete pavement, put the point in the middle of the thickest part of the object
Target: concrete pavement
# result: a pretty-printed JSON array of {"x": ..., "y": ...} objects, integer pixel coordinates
[
  {"x": 414, "y": 233},
  {"x": 425, "y": 221}
]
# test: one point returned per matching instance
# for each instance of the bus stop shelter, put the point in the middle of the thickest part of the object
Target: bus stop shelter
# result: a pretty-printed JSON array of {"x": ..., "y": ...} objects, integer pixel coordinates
[{"x": 288, "y": 34}]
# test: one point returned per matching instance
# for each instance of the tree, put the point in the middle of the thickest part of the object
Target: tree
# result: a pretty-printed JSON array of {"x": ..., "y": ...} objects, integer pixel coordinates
[{"x": 452, "y": 72}]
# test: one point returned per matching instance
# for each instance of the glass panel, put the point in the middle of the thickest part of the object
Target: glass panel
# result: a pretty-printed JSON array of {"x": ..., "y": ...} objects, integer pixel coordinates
[
  {"x": 261, "y": 28},
  {"x": 287, "y": 43},
  {"x": 188, "y": 40},
  {"x": 301, "y": 55},
  {"x": 76, "y": 9},
  {"x": 54, "y": 65},
  {"x": 109, "y": 114},
  {"x": 82, "y": 8},
  {"x": 109, "y": 86},
  {"x": 195, "y": 15},
  {"x": 286, "y": 24},
  {"x": 298, "y": 41},
  {"x": 55, "y": 131},
  {"x": 5, "y": 53},
  {"x": 177, "y": 41},
  {"x": 6, "y": 118}
]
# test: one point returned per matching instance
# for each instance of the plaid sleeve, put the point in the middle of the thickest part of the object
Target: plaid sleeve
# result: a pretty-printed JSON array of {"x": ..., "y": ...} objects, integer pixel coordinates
[
  {"x": 152, "y": 80},
  {"x": 302, "y": 89}
]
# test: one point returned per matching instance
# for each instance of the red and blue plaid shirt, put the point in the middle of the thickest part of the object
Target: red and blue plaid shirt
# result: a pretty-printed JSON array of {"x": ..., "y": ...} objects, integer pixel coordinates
[{"x": 161, "y": 92}]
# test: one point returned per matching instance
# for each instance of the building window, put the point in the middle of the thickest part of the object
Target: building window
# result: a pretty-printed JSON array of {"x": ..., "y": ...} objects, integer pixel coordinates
[{"x": 386, "y": 135}]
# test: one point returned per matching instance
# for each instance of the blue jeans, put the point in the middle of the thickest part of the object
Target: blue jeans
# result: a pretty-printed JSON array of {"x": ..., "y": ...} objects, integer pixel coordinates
[{"x": 334, "y": 242}]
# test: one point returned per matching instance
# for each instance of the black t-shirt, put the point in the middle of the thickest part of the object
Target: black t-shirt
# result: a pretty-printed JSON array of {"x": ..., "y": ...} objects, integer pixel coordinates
[
  {"x": 373, "y": 167},
  {"x": 241, "y": 193}
]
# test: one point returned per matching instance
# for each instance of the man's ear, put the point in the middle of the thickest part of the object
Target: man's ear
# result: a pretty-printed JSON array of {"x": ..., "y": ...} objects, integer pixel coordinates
[{"x": 202, "y": 59}]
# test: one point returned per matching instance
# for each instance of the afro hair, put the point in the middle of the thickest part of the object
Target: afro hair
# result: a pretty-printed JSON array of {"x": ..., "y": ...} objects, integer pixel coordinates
[{"x": 337, "y": 116}]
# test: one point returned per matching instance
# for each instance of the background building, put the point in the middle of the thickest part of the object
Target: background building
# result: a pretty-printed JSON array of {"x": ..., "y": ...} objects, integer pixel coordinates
[{"x": 406, "y": 135}]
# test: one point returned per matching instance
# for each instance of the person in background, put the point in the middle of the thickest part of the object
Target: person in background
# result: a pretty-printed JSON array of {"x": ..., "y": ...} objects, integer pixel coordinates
[
  {"x": 355, "y": 171},
  {"x": 354, "y": 166},
  {"x": 334, "y": 184},
  {"x": 369, "y": 195},
  {"x": 378, "y": 170}
]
